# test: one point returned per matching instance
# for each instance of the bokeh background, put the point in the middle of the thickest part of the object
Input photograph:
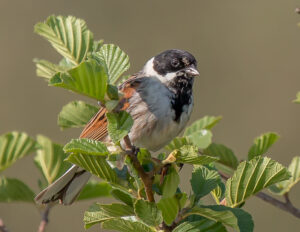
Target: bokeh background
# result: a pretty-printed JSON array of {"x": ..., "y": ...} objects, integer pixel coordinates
[{"x": 248, "y": 54}]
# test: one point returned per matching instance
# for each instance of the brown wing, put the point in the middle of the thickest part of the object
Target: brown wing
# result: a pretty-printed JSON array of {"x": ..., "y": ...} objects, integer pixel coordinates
[{"x": 96, "y": 129}]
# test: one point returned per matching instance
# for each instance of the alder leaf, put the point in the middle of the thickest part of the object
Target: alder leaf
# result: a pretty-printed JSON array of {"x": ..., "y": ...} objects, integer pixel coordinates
[
  {"x": 203, "y": 225},
  {"x": 297, "y": 100},
  {"x": 68, "y": 35},
  {"x": 12, "y": 190},
  {"x": 225, "y": 155},
  {"x": 86, "y": 146},
  {"x": 148, "y": 212},
  {"x": 238, "y": 219},
  {"x": 127, "y": 225},
  {"x": 115, "y": 60},
  {"x": 14, "y": 146},
  {"x": 169, "y": 208},
  {"x": 251, "y": 177},
  {"x": 98, "y": 213},
  {"x": 76, "y": 114},
  {"x": 95, "y": 189},
  {"x": 262, "y": 144},
  {"x": 50, "y": 159},
  {"x": 203, "y": 181},
  {"x": 96, "y": 165},
  {"x": 285, "y": 186},
  {"x": 119, "y": 125},
  {"x": 88, "y": 79}
]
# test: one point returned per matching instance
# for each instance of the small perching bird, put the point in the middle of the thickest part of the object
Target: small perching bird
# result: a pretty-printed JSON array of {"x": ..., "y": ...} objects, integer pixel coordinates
[{"x": 159, "y": 99}]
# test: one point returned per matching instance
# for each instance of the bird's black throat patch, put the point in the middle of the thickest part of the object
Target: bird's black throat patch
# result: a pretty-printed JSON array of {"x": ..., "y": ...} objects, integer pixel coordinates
[{"x": 181, "y": 86}]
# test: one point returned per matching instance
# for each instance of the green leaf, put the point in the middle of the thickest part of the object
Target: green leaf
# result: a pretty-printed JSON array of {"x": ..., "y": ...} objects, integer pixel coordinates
[
  {"x": 14, "y": 146},
  {"x": 189, "y": 154},
  {"x": 123, "y": 225},
  {"x": 12, "y": 190},
  {"x": 112, "y": 92},
  {"x": 171, "y": 182},
  {"x": 204, "y": 181},
  {"x": 148, "y": 212},
  {"x": 144, "y": 156},
  {"x": 199, "y": 132},
  {"x": 224, "y": 169},
  {"x": 177, "y": 143},
  {"x": 285, "y": 186},
  {"x": 50, "y": 159},
  {"x": 76, "y": 114},
  {"x": 262, "y": 144},
  {"x": 96, "y": 165},
  {"x": 251, "y": 177},
  {"x": 122, "y": 195},
  {"x": 182, "y": 198},
  {"x": 218, "y": 192},
  {"x": 47, "y": 69},
  {"x": 110, "y": 105},
  {"x": 86, "y": 146},
  {"x": 238, "y": 219},
  {"x": 119, "y": 125},
  {"x": 68, "y": 35},
  {"x": 115, "y": 60},
  {"x": 97, "y": 45},
  {"x": 169, "y": 208},
  {"x": 98, "y": 213},
  {"x": 95, "y": 189},
  {"x": 203, "y": 225},
  {"x": 201, "y": 138},
  {"x": 297, "y": 100},
  {"x": 225, "y": 155},
  {"x": 88, "y": 78},
  {"x": 66, "y": 64},
  {"x": 207, "y": 122}
]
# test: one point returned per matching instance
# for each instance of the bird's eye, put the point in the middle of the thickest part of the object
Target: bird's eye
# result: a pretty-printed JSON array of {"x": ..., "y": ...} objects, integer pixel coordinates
[{"x": 175, "y": 63}]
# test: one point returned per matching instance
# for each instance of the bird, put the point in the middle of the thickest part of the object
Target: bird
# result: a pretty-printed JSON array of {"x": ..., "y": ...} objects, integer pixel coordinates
[{"x": 159, "y": 99}]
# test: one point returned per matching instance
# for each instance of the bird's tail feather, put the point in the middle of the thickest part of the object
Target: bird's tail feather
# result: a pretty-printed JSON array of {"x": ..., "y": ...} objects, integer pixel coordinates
[{"x": 66, "y": 188}]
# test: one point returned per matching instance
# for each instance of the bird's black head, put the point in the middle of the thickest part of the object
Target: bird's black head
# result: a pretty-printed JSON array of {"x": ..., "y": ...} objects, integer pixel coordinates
[
  {"x": 172, "y": 64},
  {"x": 173, "y": 61}
]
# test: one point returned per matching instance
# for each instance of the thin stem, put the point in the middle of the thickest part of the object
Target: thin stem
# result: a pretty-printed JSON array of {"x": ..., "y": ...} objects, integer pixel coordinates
[
  {"x": 147, "y": 178},
  {"x": 3, "y": 228},
  {"x": 287, "y": 199},
  {"x": 286, "y": 206},
  {"x": 45, "y": 219}
]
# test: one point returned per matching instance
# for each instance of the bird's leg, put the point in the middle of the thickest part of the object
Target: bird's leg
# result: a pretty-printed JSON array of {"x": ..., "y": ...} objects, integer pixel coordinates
[
  {"x": 135, "y": 150},
  {"x": 147, "y": 179}
]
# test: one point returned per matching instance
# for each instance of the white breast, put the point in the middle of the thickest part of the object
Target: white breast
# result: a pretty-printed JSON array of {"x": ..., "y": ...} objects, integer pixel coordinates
[{"x": 154, "y": 124}]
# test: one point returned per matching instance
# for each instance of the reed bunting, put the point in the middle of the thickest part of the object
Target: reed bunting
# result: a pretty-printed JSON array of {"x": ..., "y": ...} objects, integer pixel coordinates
[{"x": 160, "y": 100}]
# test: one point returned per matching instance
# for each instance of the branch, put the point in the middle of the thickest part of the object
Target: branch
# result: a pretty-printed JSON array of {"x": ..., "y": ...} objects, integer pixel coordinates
[
  {"x": 286, "y": 206},
  {"x": 3, "y": 228},
  {"x": 45, "y": 220},
  {"x": 146, "y": 178}
]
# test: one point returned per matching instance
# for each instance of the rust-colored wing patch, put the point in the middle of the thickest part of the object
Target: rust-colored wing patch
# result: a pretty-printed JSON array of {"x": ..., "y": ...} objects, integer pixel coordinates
[{"x": 96, "y": 129}]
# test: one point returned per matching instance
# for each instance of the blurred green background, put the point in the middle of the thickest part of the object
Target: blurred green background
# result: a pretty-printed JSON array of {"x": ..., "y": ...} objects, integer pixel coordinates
[{"x": 248, "y": 56}]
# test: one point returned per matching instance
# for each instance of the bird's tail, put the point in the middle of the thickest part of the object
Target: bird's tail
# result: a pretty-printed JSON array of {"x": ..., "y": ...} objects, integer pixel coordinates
[{"x": 66, "y": 188}]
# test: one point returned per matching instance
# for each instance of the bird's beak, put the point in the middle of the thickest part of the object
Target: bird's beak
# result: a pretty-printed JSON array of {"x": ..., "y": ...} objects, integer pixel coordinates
[{"x": 192, "y": 71}]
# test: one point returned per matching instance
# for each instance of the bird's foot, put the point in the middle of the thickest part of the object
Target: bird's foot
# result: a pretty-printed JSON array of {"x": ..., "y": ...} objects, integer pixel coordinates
[{"x": 135, "y": 150}]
